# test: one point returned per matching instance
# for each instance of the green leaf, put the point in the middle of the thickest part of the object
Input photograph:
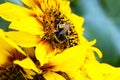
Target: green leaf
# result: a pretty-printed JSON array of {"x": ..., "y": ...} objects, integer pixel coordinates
[
  {"x": 4, "y": 24},
  {"x": 111, "y": 7},
  {"x": 2, "y": 1},
  {"x": 15, "y": 1}
]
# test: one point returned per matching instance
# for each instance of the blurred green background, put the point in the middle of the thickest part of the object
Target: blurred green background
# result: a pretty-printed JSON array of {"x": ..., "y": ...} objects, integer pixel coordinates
[{"x": 102, "y": 22}]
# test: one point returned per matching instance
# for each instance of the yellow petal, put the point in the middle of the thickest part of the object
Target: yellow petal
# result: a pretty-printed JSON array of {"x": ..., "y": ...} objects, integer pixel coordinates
[
  {"x": 51, "y": 3},
  {"x": 77, "y": 20},
  {"x": 10, "y": 42},
  {"x": 110, "y": 72},
  {"x": 9, "y": 49},
  {"x": 92, "y": 42},
  {"x": 29, "y": 73},
  {"x": 37, "y": 11},
  {"x": 91, "y": 48},
  {"x": 28, "y": 24},
  {"x": 27, "y": 63},
  {"x": 97, "y": 51},
  {"x": 108, "y": 69},
  {"x": 65, "y": 7},
  {"x": 78, "y": 23},
  {"x": 93, "y": 70},
  {"x": 23, "y": 39},
  {"x": 76, "y": 74},
  {"x": 12, "y": 12},
  {"x": 29, "y": 3},
  {"x": 53, "y": 76},
  {"x": 43, "y": 52},
  {"x": 71, "y": 58},
  {"x": 30, "y": 51},
  {"x": 4, "y": 54}
]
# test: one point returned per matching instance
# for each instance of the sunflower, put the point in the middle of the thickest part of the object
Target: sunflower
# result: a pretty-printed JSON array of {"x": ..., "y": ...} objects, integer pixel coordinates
[
  {"x": 52, "y": 37},
  {"x": 43, "y": 21},
  {"x": 9, "y": 53},
  {"x": 63, "y": 66}
]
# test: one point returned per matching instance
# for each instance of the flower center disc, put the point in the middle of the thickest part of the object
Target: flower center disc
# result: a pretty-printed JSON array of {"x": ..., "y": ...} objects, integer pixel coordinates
[
  {"x": 12, "y": 72},
  {"x": 59, "y": 31}
]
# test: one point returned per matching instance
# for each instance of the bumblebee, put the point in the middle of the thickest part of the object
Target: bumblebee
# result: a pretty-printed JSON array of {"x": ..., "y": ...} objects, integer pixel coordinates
[{"x": 62, "y": 32}]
